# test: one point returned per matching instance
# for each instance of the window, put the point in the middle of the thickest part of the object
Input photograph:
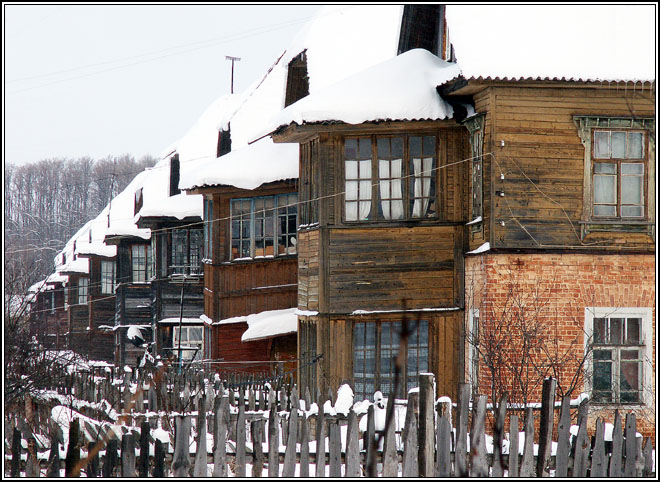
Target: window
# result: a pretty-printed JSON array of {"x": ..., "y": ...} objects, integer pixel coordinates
[
  {"x": 390, "y": 178},
  {"x": 263, "y": 226},
  {"x": 192, "y": 342},
  {"x": 621, "y": 358},
  {"x": 186, "y": 252},
  {"x": 83, "y": 289},
  {"x": 619, "y": 162},
  {"x": 309, "y": 183},
  {"x": 475, "y": 126},
  {"x": 375, "y": 347},
  {"x": 107, "y": 277},
  {"x": 141, "y": 262},
  {"x": 208, "y": 229}
]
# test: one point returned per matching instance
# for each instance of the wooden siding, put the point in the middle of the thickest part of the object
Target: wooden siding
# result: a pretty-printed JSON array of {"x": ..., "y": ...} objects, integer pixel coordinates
[
  {"x": 308, "y": 270},
  {"x": 542, "y": 159},
  {"x": 378, "y": 268}
]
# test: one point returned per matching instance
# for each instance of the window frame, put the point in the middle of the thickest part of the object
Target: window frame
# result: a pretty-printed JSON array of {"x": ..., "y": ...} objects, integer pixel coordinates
[
  {"x": 208, "y": 229},
  {"x": 378, "y": 349},
  {"x": 141, "y": 270},
  {"x": 187, "y": 268},
  {"x": 407, "y": 178},
  {"x": 105, "y": 279},
  {"x": 187, "y": 346},
  {"x": 82, "y": 295},
  {"x": 288, "y": 201},
  {"x": 476, "y": 127},
  {"x": 644, "y": 347},
  {"x": 473, "y": 349},
  {"x": 586, "y": 126}
]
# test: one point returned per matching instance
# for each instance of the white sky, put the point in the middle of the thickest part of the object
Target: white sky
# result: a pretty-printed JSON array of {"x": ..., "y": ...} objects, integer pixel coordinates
[{"x": 112, "y": 79}]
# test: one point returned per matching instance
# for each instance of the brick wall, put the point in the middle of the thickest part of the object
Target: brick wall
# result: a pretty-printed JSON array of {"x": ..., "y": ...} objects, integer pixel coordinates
[{"x": 545, "y": 297}]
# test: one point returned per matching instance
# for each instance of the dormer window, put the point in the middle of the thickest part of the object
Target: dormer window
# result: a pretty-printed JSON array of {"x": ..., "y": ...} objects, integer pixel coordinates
[
  {"x": 297, "y": 82},
  {"x": 224, "y": 142}
]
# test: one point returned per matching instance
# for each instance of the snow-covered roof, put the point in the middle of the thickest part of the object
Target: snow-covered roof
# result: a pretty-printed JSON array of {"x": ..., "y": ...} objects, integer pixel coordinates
[
  {"x": 563, "y": 42},
  {"x": 185, "y": 321},
  {"x": 401, "y": 88},
  {"x": 247, "y": 167},
  {"x": 268, "y": 324},
  {"x": 78, "y": 265},
  {"x": 179, "y": 206}
]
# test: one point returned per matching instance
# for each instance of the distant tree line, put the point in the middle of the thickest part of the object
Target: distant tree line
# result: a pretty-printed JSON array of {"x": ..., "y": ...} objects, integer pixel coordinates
[{"x": 48, "y": 201}]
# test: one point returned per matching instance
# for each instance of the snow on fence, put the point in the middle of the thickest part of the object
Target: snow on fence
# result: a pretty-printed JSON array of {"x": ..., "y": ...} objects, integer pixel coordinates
[{"x": 253, "y": 430}]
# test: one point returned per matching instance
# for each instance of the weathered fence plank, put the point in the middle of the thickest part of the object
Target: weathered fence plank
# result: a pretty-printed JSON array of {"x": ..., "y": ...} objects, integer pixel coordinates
[
  {"x": 304, "y": 445},
  {"x": 143, "y": 462},
  {"x": 200, "y": 467},
  {"x": 370, "y": 443},
  {"x": 615, "y": 469},
  {"x": 320, "y": 440},
  {"x": 629, "y": 468},
  {"x": 514, "y": 447},
  {"x": 289, "y": 466},
  {"x": 582, "y": 447},
  {"x": 563, "y": 438},
  {"x": 352, "y": 446},
  {"x": 598, "y": 457},
  {"x": 479, "y": 466},
  {"x": 334, "y": 449},
  {"x": 273, "y": 440},
  {"x": 72, "y": 460},
  {"x": 498, "y": 436},
  {"x": 462, "y": 429},
  {"x": 426, "y": 432},
  {"x": 410, "y": 465},
  {"x": 128, "y": 455},
  {"x": 545, "y": 430},
  {"x": 239, "y": 462},
  {"x": 181, "y": 458},
  {"x": 159, "y": 459}
]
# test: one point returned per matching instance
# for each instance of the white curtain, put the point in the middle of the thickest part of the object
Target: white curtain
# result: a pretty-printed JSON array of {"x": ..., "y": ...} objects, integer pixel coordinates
[
  {"x": 422, "y": 186},
  {"x": 358, "y": 190},
  {"x": 391, "y": 188}
]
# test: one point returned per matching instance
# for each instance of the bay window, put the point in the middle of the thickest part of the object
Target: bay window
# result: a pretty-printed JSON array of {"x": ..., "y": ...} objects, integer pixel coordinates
[
  {"x": 389, "y": 178},
  {"x": 263, "y": 226}
]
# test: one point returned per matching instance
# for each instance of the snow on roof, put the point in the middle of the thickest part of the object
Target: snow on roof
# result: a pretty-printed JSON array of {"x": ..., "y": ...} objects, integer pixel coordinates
[
  {"x": 402, "y": 88},
  {"x": 179, "y": 206},
  {"x": 481, "y": 249},
  {"x": 268, "y": 324},
  {"x": 78, "y": 265},
  {"x": 247, "y": 167},
  {"x": 189, "y": 321},
  {"x": 571, "y": 42}
]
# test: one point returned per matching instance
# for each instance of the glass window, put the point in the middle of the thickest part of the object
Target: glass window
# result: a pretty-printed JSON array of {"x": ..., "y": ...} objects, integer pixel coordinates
[
  {"x": 141, "y": 262},
  {"x": 617, "y": 359},
  {"x": 108, "y": 281},
  {"x": 192, "y": 342},
  {"x": 375, "y": 348},
  {"x": 83, "y": 290},
  {"x": 208, "y": 229},
  {"x": 187, "y": 251},
  {"x": 404, "y": 172},
  {"x": 264, "y": 226}
]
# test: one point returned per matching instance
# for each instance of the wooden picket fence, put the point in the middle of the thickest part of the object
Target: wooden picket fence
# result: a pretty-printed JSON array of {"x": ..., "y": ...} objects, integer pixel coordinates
[{"x": 257, "y": 432}]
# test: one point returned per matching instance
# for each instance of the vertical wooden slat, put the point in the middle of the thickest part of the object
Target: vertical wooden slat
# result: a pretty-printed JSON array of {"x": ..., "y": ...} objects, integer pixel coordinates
[
  {"x": 498, "y": 436},
  {"x": 181, "y": 457},
  {"x": 159, "y": 459},
  {"x": 257, "y": 449},
  {"x": 426, "y": 432},
  {"x": 93, "y": 464},
  {"x": 390, "y": 456},
  {"x": 15, "y": 466},
  {"x": 200, "y": 467},
  {"x": 73, "y": 450},
  {"x": 111, "y": 458},
  {"x": 443, "y": 456},
  {"x": 240, "y": 436},
  {"x": 320, "y": 439},
  {"x": 369, "y": 443},
  {"x": 598, "y": 457},
  {"x": 547, "y": 422},
  {"x": 631, "y": 446},
  {"x": 54, "y": 456},
  {"x": 352, "y": 446},
  {"x": 143, "y": 463},
  {"x": 221, "y": 421},
  {"x": 273, "y": 439},
  {"x": 527, "y": 464},
  {"x": 334, "y": 461},
  {"x": 582, "y": 447},
  {"x": 288, "y": 469},
  {"x": 648, "y": 457},
  {"x": 514, "y": 448},
  {"x": 461, "y": 429},
  {"x": 563, "y": 438},
  {"x": 479, "y": 465},
  {"x": 128, "y": 455},
  {"x": 304, "y": 446}
]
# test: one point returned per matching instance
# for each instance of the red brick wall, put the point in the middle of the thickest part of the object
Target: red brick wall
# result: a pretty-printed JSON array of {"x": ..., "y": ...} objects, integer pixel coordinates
[{"x": 548, "y": 293}]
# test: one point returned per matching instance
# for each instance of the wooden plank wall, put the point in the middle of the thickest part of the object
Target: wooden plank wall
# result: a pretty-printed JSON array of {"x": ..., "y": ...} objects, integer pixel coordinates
[
  {"x": 376, "y": 268},
  {"x": 542, "y": 141}
]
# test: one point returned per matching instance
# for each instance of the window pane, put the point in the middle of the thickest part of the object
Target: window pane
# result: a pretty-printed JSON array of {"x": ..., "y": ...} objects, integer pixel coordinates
[
  {"x": 602, "y": 377},
  {"x": 350, "y": 149},
  {"x": 616, "y": 331},
  {"x": 601, "y": 144},
  {"x": 633, "y": 331},
  {"x": 351, "y": 169},
  {"x": 604, "y": 168},
  {"x": 605, "y": 189},
  {"x": 635, "y": 145},
  {"x": 600, "y": 330},
  {"x": 603, "y": 210},
  {"x": 632, "y": 211},
  {"x": 631, "y": 189},
  {"x": 632, "y": 168},
  {"x": 618, "y": 145}
]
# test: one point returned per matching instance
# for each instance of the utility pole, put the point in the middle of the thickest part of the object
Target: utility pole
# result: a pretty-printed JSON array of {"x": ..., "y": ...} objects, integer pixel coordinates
[{"x": 233, "y": 59}]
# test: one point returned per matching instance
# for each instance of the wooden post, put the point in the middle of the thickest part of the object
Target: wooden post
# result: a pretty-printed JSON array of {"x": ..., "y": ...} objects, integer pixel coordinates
[
  {"x": 273, "y": 440},
  {"x": 199, "y": 469},
  {"x": 320, "y": 440},
  {"x": 464, "y": 390},
  {"x": 514, "y": 432},
  {"x": 352, "y": 446},
  {"x": 629, "y": 468},
  {"x": 527, "y": 464},
  {"x": 426, "y": 432},
  {"x": 478, "y": 439},
  {"x": 334, "y": 448},
  {"x": 240, "y": 436},
  {"x": 390, "y": 455},
  {"x": 410, "y": 465},
  {"x": 15, "y": 469},
  {"x": 545, "y": 430},
  {"x": 111, "y": 458},
  {"x": 500, "y": 417},
  {"x": 615, "y": 469},
  {"x": 582, "y": 448},
  {"x": 257, "y": 449},
  {"x": 181, "y": 457},
  {"x": 73, "y": 451},
  {"x": 220, "y": 446},
  {"x": 369, "y": 443},
  {"x": 93, "y": 464},
  {"x": 563, "y": 438},
  {"x": 289, "y": 467},
  {"x": 128, "y": 455},
  {"x": 648, "y": 457},
  {"x": 31, "y": 462},
  {"x": 54, "y": 456},
  {"x": 443, "y": 444},
  {"x": 159, "y": 459},
  {"x": 143, "y": 463},
  {"x": 598, "y": 457}
]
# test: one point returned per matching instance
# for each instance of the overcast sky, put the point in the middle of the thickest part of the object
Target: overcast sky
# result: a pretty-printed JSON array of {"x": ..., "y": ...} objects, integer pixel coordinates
[{"x": 103, "y": 80}]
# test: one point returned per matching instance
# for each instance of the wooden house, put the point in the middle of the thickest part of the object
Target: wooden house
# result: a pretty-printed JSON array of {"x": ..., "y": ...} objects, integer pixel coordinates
[
  {"x": 250, "y": 245},
  {"x": 48, "y": 319},
  {"x": 425, "y": 180}
]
